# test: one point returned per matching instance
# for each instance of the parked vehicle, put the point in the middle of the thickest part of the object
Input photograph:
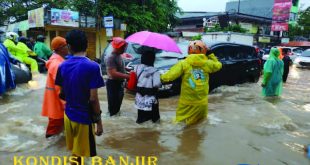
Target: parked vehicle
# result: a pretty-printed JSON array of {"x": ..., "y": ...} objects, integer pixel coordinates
[
  {"x": 303, "y": 61},
  {"x": 240, "y": 64},
  {"x": 293, "y": 52},
  {"x": 131, "y": 54}
]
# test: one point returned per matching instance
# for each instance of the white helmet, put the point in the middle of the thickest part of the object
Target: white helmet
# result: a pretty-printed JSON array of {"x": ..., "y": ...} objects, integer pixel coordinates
[{"x": 11, "y": 35}]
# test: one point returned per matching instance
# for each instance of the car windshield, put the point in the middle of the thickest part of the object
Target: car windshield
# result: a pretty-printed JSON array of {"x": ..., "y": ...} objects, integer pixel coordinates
[
  {"x": 306, "y": 53},
  {"x": 298, "y": 50},
  {"x": 183, "y": 47},
  {"x": 164, "y": 62}
]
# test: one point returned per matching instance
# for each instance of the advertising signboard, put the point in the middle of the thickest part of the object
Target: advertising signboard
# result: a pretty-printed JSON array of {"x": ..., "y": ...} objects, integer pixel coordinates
[
  {"x": 36, "y": 18},
  {"x": 64, "y": 17}
]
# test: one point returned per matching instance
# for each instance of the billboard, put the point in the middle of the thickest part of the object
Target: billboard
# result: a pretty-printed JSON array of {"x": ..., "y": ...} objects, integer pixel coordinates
[
  {"x": 36, "y": 18},
  {"x": 281, "y": 15},
  {"x": 64, "y": 17}
]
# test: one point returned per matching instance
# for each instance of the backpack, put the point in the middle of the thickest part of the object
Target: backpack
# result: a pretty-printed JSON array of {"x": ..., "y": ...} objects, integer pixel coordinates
[{"x": 133, "y": 80}]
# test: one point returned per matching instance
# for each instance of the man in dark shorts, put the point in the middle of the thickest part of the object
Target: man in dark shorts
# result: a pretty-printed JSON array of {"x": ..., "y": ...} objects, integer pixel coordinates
[
  {"x": 116, "y": 75},
  {"x": 80, "y": 78}
]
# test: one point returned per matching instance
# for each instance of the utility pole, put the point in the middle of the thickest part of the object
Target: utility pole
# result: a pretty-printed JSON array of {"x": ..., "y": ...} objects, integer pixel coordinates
[{"x": 238, "y": 6}]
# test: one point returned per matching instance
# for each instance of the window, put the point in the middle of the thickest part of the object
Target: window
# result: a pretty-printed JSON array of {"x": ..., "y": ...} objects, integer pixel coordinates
[{"x": 298, "y": 50}]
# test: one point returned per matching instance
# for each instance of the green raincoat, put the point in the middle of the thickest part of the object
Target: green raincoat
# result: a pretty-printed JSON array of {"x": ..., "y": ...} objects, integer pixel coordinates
[
  {"x": 195, "y": 70},
  {"x": 42, "y": 50},
  {"x": 273, "y": 71}
]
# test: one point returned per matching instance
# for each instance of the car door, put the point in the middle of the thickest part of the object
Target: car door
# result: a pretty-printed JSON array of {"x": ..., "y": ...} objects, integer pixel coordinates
[
  {"x": 251, "y": 64},
  {"x": 226, "y": 75}
]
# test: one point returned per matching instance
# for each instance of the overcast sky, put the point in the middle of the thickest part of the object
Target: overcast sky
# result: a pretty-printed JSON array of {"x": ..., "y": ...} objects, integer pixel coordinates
[{"x": 213, "y": 5}]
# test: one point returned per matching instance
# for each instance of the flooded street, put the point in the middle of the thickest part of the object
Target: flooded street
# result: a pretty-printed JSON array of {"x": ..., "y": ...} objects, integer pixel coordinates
[{"x": 242, "y": 127}]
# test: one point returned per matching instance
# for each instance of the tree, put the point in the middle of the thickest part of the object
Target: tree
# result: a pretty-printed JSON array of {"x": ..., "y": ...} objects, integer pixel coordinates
[
  {"x": 302, "y": 29},
  {"x": 231, "y": 28}
]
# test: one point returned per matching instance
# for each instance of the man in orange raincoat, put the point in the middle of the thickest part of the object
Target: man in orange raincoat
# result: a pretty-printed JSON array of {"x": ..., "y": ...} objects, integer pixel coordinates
[{"x": 53, "y": 107}]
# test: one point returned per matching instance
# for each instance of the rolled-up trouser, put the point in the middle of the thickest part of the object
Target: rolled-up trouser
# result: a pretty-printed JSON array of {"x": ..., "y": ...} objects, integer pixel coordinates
[
  {"x": 29, "y": 61},
  {"x": 115, "y": 91},
  {"x": 54, "y": 127}
]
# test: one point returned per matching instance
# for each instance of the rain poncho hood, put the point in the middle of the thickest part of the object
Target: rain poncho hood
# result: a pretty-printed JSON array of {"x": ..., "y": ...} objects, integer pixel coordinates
[
  {"x": 7, "y": 76},
  {"x": 195, "y": 70},
  {"x": 273, "y": 71}
]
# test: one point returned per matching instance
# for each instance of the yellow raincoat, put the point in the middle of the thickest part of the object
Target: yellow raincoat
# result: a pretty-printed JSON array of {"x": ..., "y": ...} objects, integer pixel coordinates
[
  {"x": 195, "y": 70},
  {"x": 22, "y": 54},
  {"x": 11, "y": 46}
]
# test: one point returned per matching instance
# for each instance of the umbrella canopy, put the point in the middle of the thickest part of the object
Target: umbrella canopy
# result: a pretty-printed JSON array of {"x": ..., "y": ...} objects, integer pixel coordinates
[{"x": 155, "y": 40}]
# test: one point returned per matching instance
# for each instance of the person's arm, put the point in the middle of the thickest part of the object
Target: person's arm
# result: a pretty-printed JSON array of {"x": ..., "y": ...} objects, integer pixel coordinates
[
  {"x": 117, "y": 75},
  {"x": 53, "y": 73},
  {"x": 216, "y": 65},
  {"x": 58, "y": 84},
  {"x": 174, "y": 72},
  {"x": 96, "y": 82},
  {"x": 267, "y": 72},
  {"x": 94, "y": 102}
]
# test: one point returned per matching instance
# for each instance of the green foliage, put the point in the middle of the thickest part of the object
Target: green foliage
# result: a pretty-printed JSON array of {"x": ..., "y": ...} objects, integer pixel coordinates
[
  {"x": 198, "y": 37},
  {"x": 235, "y": 28},
  {"x": 153, "y": 15},
  {"x": 216, "y": 28},
  {"x": 303, "y": 26},
  {"x": 231, "y": 28}
]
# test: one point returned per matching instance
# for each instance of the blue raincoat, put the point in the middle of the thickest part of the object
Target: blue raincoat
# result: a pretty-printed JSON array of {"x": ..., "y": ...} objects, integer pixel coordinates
[{"x": 7, "y": 76}]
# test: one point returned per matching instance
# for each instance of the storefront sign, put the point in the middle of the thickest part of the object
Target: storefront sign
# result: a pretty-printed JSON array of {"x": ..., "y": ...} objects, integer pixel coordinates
[
  {"x": 36, "y": 18},
  {"x": 264, "y": 39},
  {"x": 64, "y": 17}
]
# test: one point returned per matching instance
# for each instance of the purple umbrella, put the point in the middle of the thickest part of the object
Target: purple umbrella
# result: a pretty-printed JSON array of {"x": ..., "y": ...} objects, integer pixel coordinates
[{"x": 155, "y": 40}]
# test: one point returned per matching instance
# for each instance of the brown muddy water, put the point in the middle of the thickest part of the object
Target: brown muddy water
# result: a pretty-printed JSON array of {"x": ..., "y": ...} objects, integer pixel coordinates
[{"x": 242, "y": 128}]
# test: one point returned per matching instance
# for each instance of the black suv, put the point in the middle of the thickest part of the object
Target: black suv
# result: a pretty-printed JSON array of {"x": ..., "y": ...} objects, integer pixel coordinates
[{"x": 240, "y": 64}]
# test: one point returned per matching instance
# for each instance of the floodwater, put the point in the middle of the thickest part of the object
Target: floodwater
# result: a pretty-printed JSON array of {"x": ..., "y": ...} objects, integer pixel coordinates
[{"x": 242, "y": 128}]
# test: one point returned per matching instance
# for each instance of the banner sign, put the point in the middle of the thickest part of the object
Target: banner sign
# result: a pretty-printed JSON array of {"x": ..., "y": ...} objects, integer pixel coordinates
[
  {"x": 64, "y": 17},
  {"x": 36, "y": 18},
  {"x": 281, "y": 15}
]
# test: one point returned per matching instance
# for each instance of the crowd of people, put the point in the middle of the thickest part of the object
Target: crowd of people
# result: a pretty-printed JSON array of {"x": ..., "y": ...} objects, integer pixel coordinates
[{"x": 71, "y": 100}]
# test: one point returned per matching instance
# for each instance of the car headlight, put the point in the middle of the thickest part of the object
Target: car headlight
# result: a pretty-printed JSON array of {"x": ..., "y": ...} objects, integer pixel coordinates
[{"x": 297, "y": 60}]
